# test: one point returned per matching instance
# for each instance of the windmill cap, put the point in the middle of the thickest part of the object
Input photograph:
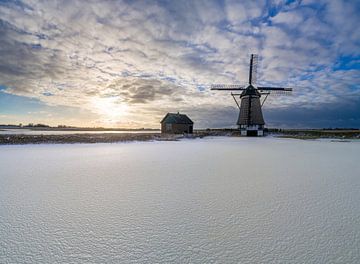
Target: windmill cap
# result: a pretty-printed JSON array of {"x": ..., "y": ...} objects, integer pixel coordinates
[{"x": 250, "y": 90}]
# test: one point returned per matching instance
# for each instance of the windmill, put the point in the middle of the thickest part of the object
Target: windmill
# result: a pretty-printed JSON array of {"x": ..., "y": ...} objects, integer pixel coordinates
[{"x": 251, "y": 121}]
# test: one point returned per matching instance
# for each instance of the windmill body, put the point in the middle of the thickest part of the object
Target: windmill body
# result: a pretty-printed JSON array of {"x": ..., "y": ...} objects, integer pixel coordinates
[{"x": 251, "y": 121}]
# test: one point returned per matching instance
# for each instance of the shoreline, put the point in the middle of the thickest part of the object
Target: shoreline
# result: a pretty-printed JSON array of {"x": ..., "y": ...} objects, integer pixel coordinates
[
  {"x": 23, "y": 139},
  {"x": 88, "y": 138}
]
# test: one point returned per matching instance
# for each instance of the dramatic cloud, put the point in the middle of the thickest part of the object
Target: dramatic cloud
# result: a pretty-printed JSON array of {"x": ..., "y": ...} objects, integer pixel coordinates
[{"x": 127, "y": 63}]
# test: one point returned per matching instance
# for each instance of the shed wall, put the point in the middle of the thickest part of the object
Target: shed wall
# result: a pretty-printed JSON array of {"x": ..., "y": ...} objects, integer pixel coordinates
[{"x": 177, "y": 128}]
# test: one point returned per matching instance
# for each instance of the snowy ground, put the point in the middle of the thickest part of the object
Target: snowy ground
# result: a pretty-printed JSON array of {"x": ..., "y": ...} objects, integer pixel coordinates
[{"x": 213, "y": 200}]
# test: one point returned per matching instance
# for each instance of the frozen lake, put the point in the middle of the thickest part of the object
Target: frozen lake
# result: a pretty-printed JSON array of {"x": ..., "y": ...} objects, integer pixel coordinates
[{"x": 214, "y": 200}]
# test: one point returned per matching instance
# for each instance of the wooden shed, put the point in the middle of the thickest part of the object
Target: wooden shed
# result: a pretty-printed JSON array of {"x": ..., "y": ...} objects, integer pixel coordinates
[{"x": 176, "y": 124}]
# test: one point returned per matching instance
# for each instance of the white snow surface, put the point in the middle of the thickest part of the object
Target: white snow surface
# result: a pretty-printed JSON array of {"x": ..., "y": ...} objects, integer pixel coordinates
[{"x": 214, "y": 200}]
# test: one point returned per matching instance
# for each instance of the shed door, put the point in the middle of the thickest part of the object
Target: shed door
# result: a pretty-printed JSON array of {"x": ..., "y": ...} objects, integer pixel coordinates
[{"x": 168, "y": 127}]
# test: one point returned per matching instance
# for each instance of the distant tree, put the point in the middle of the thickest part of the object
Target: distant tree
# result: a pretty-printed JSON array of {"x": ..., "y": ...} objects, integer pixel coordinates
[{"x": 41, "y": 125}]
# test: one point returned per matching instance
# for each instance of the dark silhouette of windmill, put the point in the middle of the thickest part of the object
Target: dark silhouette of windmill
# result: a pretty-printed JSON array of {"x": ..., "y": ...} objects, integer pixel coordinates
[{"x": 251, "y": 120}]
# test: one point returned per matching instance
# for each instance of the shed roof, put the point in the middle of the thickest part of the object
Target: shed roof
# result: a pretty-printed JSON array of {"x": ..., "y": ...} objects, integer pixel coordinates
[{"x": 176, "y": 118}]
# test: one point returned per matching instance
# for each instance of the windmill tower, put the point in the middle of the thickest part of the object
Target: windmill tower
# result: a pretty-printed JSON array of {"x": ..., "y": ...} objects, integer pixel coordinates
[{"x": 251, "y": 121}]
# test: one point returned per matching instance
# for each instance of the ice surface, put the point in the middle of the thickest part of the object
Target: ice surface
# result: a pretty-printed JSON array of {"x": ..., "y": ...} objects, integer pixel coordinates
[{"x": 218, "y": 200}]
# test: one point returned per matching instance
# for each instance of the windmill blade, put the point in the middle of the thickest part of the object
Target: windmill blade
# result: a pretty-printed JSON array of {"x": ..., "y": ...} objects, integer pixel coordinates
[
  {"x": 275, "y": 92},
  {"x": 227, "y": 87},
  {"x": 274, "y": 89},
  {"x": 253, "y": 69}
]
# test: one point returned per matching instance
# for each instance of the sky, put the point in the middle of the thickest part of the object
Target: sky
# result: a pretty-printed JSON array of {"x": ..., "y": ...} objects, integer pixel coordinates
[{"x": 127, "y": 63}]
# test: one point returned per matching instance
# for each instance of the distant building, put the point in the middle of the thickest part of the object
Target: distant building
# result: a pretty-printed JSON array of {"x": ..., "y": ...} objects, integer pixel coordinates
[{"x": 176, "y": 124}]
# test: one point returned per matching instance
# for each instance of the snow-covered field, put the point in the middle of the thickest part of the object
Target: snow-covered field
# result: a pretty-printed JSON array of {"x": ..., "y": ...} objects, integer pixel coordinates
[{"x": 215, "y": 200}]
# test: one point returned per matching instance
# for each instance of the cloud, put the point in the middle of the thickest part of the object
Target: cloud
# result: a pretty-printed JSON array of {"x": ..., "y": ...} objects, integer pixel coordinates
[
  {"x": 141, "y": 91},
  {"x": 152, "y": 56},
  {"x": 343, "y": 113}
]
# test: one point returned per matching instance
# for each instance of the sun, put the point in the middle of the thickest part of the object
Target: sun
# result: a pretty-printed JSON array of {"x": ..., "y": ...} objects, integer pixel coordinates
[{"x": 110, "y": 109}]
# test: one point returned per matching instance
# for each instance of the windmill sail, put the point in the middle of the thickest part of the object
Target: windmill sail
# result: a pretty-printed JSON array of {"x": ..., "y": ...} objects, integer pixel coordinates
[
  {"x": 253, "y": 69},
  {"x": 274, "y": 89},
  {"x": 227, "y": 87}
]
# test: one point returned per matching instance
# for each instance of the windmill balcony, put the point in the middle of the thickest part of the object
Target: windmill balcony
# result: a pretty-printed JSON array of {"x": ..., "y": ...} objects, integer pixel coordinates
[{"x": 252, "y": 130}]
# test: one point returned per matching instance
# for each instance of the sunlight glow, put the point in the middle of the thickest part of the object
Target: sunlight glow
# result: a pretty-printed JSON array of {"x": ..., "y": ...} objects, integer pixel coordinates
[{"x": 110, "y": 109}]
